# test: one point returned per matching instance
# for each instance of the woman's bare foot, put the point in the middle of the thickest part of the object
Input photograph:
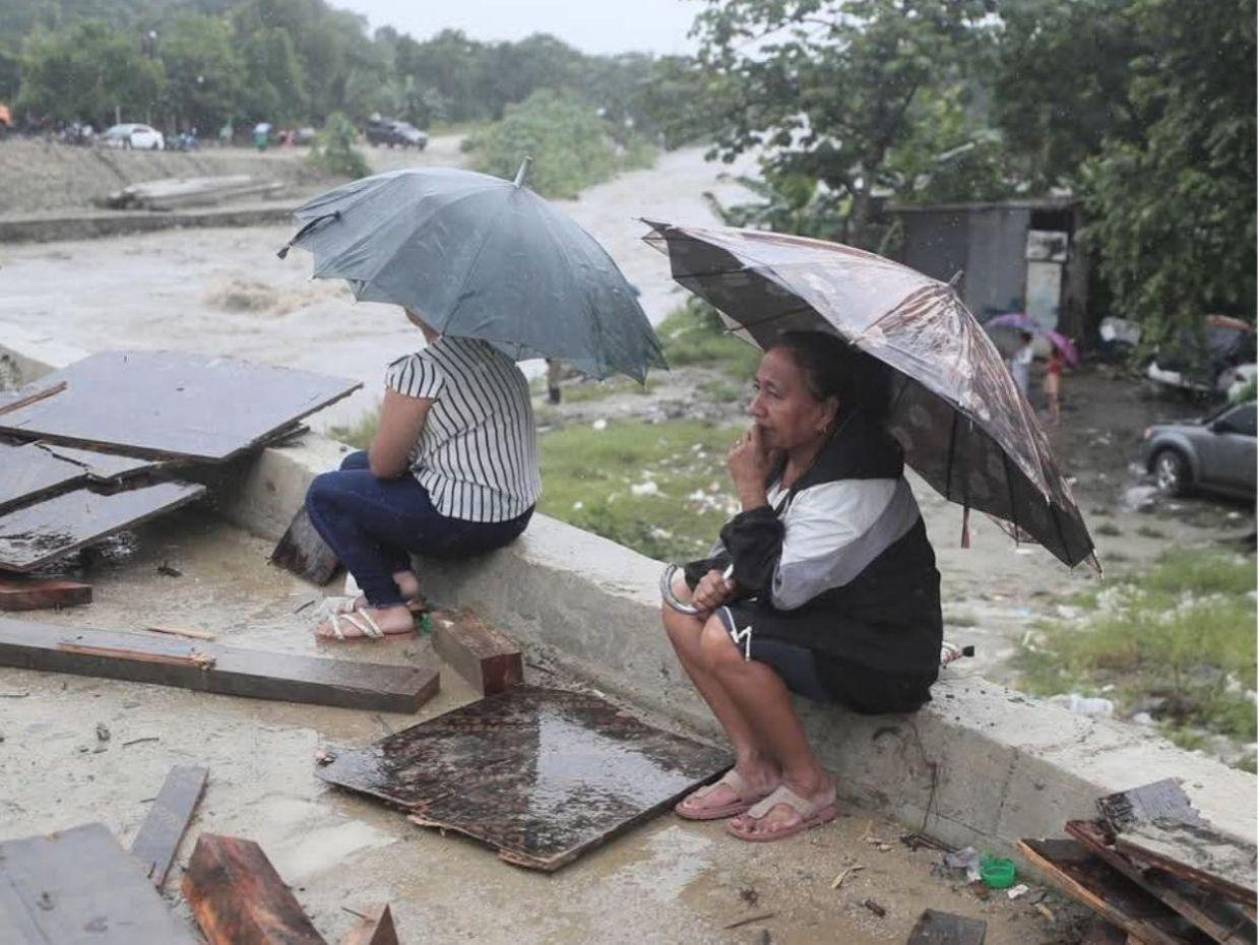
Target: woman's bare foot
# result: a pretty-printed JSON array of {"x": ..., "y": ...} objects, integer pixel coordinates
[{"x": 367, "y": 622}]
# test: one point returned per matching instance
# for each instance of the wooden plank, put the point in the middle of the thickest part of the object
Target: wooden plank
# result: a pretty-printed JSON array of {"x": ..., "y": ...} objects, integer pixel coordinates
[
  {"x": 79, "y": 887},
  {"x": 1119, "y": 900},
  {"x": 945, "y": 928},
  {"x": 35, "y": 594},
  {"x": 256, "y": 674},
  {"x": 158, "y": 840},
  {"x": 1145, "y": 852},
  {"x": 238, "y": 898},
  {"x": 101, "y": 467},
  {"x": 1102, "y": 932},
  {"x": 486, "y": 658},
  {"x": 38, "y": 534},
  {"x": 303, "y": 551},
  {"x": 375, "y": 927},
  {"x": 173, "y": 405},
  {"x": 1223, "y": 921},
  {"x": 28, "y": 474},
  {"x": 20, "y": 400}
]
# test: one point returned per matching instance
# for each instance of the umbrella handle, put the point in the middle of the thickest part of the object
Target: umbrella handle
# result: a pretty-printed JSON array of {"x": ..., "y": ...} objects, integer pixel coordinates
[{"x": 667, "y": 592}]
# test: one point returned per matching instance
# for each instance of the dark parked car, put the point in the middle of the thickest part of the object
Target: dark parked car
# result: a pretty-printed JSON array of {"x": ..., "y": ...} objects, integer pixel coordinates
[
  {"x": 1217, "y": 453},
  {"x": 396, "y": 133}
]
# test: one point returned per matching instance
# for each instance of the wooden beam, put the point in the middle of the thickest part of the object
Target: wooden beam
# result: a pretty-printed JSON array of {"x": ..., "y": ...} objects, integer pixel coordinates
[
  {"x": 375, "y": 927},
  {"x": 488, "y": 659},
  {"x": 158, "y": 840},
  {"x": 207, "y": 666},
  {"x": 238, "y": 898},
  {"x": 303, "y": 551},
  {"x": 34, "y": 594}
]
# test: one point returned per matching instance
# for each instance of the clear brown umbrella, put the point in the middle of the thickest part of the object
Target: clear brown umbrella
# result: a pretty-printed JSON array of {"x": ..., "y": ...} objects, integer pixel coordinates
[{"x": 955, "y": 409}]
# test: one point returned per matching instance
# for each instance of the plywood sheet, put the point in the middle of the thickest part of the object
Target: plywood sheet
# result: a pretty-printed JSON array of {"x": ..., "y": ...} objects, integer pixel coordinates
[
  {"x": 157, "y": 841},
  {"x": 27, "y": 473},
  {"x": 98, "y": 466},
  {"x": 207, "y": 666},
  {"x": 543, "y": 775},
  {"x": 37, "y": 534},
  {"x": 168, "y": 404},
  {"x": 79, "y": 887}
]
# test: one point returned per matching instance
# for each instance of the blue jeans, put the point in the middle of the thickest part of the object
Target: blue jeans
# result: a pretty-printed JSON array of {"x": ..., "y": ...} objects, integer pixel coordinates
[{"x": 374, "y": 525}]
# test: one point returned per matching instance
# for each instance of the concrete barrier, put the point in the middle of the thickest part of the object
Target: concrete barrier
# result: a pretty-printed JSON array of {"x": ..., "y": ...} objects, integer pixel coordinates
[
  {"x": 980, "y": 765},
  {"x": 47, "y": 228}
]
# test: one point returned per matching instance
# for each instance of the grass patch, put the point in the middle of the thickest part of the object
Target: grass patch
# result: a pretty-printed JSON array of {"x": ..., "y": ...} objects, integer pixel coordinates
[
  {"x": 660, "y": 489},
  {"x": 693, "y": 334},
  {"x": 1108, "y": 530},
  {"x": 723, "y": 391},
  {"x": 359, "y": 433},
  {"x": 589, "y": 391},
  {"x": 1182, "y": 633},
  {"x": 1147, "y": 531}
]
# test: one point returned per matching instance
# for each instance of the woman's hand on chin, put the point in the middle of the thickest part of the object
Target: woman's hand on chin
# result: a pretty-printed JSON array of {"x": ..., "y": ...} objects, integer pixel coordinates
[{"x": 750, "y": 463}]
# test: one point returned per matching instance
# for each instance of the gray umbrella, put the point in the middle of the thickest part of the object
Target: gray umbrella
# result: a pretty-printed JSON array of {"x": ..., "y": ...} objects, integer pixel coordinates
[{"x": 481, "y": 257}]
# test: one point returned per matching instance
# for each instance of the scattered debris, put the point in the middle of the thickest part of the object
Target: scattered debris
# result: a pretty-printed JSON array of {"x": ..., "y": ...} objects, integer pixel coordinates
[
  {"x": 1045, "y": 911},
  {"x": 102, "y": 732},
  {"x": 945, "y": 928},
  {"x": 485, "y": 657},
  {"x": 844, "y": 874},
  {"x": 34, "y": 594},
  {"x": 324, "y": 757},
  {"x": 1016, "y": 891},
  {"x": 967, "y": 859},
  {"x": 14, "y": 695},
  {"x": 303, "y": 551},
  {"x": 751, "y": 919},
  {"x": 137, "y": 741},
  {"x": 875, "y": 907},
  {"x": 238, "y": 898},
  {"x": 168, "y": 571},
  {"x": 170, "y": 193},
  {"x": 184, "y": 632},
  {"x": 749, "y": 895},
  {"x": 376, "y": 927},
  {"x": 158, "y": 839}
]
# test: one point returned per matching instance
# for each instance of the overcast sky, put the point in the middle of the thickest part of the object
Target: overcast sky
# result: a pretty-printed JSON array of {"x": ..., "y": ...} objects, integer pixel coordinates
[{"x": 593, "y": 26}]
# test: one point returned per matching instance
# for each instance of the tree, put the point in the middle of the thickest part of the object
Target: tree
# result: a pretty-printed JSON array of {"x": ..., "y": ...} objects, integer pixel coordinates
[
  {"x": 274, "y": 84},
  {"x": 827, "y": 86},
  {"x": 88, "y": 72},
  {"x": 204, "y": 71},
  {"x": 1174, "y": 213}
]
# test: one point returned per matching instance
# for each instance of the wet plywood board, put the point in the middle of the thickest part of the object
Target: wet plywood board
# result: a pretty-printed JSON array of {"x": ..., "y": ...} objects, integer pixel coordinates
[
  {"x": 79, "y": 887},
  {"x": 207, "y": 666},
  {"x": 37, "y": 534},
  {"x": 303, "y": 551},
  {"x": 158, "y": 839},
  {"x": 1157, "y": 823},
  {"x": 167, "y": 404},
  {"x": 1087, "y": 879},
  {"x": 238, "y": 898},
  {"x": 542, "y": 775},
  {"x": 1225, "y": 922},
  {"x": 27, "y": 473}
]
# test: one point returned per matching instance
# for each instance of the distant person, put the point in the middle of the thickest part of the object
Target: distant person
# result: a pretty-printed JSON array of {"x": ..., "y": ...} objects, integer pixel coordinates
[
  {"x": 452, "y": 472},
  {"x": 1021, "y": 362},
  {"x": 1052, "y": 383},
  {"x": 554, "y": 370}
]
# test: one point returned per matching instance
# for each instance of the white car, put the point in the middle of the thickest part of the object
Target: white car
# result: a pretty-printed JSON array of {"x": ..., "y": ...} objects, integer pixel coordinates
[{"x": 133, "y": 136}]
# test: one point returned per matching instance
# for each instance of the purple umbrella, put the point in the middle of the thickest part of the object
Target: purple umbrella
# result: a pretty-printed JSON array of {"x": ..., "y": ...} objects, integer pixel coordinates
[{"x": 1021, "y": 322}]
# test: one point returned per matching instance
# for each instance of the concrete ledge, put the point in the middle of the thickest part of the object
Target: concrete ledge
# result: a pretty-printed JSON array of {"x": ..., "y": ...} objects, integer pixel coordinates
[
  {"x": 980, "y": 765},
  {"x": 93, "y": 224}
]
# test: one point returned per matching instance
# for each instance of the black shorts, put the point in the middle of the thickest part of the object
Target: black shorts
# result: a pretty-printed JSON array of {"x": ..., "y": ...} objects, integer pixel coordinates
[{"x": 823, "y": 678}]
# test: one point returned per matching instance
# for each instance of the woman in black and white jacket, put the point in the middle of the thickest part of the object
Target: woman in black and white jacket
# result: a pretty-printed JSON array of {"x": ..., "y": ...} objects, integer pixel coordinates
[{"x": 824, "y": 584}]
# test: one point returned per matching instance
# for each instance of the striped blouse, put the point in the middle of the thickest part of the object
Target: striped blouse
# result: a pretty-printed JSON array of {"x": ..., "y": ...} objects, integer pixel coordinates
[{"x": 477, "y": 455}]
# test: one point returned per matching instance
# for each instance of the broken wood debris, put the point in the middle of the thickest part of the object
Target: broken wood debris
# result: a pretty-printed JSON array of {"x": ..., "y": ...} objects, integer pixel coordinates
[
  {"x": 18, "y": 593},
  {"x": 18, "y": 402},
  {"x": 485, "y": 657},
  {"x": 28, "y": 473},
  {"x": 157, "y": 841},
  {"x": 77, "y": 886},
  {"x": 184, "y": 632},
  {"x": 170, "y": 193},
  {"x": 844, "y": 874},
  {"x": 376, "y": 927},
  {"x": 303, "y": 551},
  {"x": 213, "y": 667},
  {"x": 875, "y": 907},
  {"x": 761, "y": 917},
  {"x": 238, "y": 898}
]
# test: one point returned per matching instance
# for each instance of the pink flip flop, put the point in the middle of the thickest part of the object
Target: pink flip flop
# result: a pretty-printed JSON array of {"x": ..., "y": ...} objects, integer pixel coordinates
[
  {"x": 811, "y": 814},
  {"x": 733, "y": 780}
]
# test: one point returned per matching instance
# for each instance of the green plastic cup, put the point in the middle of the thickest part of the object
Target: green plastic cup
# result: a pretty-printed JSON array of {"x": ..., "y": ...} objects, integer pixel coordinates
[{"x": 997, "y": 872}]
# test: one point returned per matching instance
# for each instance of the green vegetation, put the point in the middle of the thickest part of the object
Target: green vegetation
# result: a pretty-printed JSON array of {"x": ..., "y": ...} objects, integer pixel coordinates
[
  {"x": 693, "y": 335},
  {"x": 1179, "y": 640},
  {"x": 571, "y": 145},
  {"x": 334, "y": 151},
  {"x": 619, "y": 480},
  {"x": 1108, "y": 530},
  {"x": 358, "y": 434}
]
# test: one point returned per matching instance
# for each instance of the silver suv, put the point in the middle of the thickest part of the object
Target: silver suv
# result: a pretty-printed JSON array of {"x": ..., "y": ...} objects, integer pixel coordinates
[{"x": 1216, "y": 454}]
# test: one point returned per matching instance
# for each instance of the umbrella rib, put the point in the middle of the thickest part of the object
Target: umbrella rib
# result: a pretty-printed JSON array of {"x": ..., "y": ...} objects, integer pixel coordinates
[
  {"x": 1010, "y": 492},
  {"x": 473, "y": 265},
  {"x": 949, "y": 460}
]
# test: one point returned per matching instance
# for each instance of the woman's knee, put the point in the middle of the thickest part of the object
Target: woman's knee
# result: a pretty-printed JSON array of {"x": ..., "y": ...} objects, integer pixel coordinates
[
  {"x": 717, "y": 649},
  {"x": 356, "y": 460},
  {"x": 322, "y": 492}
]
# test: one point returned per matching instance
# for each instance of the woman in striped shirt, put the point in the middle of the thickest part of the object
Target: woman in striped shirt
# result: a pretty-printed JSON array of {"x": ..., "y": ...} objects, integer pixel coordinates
[{"x": 452, "y": 472}]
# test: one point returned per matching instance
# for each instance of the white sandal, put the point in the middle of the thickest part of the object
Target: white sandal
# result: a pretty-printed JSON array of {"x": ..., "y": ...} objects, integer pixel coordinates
[{"x": 361, "y": 620}]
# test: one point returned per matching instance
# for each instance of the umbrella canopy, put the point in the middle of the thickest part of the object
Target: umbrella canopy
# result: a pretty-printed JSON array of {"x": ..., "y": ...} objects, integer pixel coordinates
[
  {"x": 481, "y": 257},
  {"x": 1018, "y": 321},
  {"x": 955, "y": 409}
]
